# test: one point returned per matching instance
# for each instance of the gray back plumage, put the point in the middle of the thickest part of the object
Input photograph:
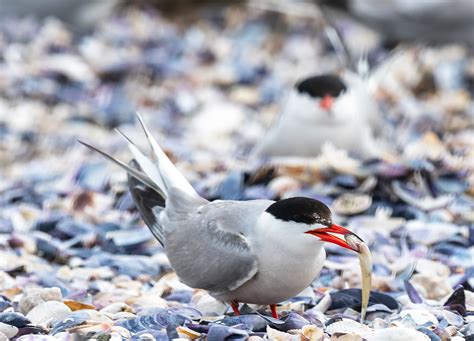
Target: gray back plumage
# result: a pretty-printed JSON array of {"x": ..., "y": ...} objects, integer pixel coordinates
[{"x": 207, "y": 244}]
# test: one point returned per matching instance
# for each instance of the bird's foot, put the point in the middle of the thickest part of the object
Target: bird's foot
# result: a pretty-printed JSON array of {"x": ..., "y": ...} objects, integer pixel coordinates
[
  {"x": 273, "y": 308},
  {"x": 235, "y": 307}
]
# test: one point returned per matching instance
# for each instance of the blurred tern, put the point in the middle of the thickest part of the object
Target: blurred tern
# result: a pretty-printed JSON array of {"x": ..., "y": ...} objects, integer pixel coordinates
[
  {"x": 323, "y": 109},
  {"x": 433, "y": 21},
  {"x": 259, "y": 251}
]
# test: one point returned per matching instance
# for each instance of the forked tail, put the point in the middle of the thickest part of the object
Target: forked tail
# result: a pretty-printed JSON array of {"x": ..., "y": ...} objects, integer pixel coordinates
[{"x": 150, "y": 180}]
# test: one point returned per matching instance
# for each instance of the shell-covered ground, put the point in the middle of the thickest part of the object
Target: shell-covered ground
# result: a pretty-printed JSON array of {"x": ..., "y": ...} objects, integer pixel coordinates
[{"x": 77, "y": 260}]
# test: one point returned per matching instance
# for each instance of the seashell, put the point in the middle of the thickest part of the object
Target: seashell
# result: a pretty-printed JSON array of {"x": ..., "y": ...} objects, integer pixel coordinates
[
  {"x": 231, "y": 188},
  {"x": 8, "y": 330},
  {"x": 116, "y": 307},
  {"x": 277, "y": 335},
  {"x": 4, "y": 301},
  {"x": 120, "y": 332},
  {"x": 74, "y": 305},
  {"x": 187, "y": 333},
  {"x": 182, "y": 296},
  {"x": 351, "y": 298},
  {"x": 207, "y": 304},
  {"x": 292, "y": 321},
  {"x": 346, "y": 337},
  {"x": 412, "y": 293},
  {"x": 457, "y": 301},
  {"x": 428, "y": 147},
  {"x": 312, "y": 333},
  {"x": 33, "y": 297},
  {"x": 48, "y": 313},
  {"x": 91, "y": 328},
  {"x": 121, "y": 315},
  {"x": 453, "y": 318},
  {"x": 348, "y": 326},
  {"x": 429, "y": 267},
  {"x": 6, "y": 281},
  {"x": 147, "y": 300},
  {"x": 351, "y": 203},
  {"x": 14, "y": 319},
  {"x": 72, "y": 320},
  {"x": 431, "y": 287},
  {"x": 283, "y": 184},
  {"x": 219, "y": 332},
  {"x": 428, "y": 332},
  {"x": 469, "y": 300},
  {"x": 254, "y": 338},
  {"x": 420, "y": 317},
  {"x": 423, "y": 202},
  {"x": 254, "y": 323},
  {"x": 163, "y": 318},
  {"x": 396, "y": 334},
  {"x": 380, "y": 224}
]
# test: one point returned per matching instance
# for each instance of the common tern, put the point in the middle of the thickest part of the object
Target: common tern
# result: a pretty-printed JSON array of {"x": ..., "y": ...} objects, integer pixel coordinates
[
  {"x": 258, "y": 251},
  {"x": 321, "y": 109}
]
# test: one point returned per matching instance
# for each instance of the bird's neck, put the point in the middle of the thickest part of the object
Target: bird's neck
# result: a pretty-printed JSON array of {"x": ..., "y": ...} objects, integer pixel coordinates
[{"x": 284, "y": 237}]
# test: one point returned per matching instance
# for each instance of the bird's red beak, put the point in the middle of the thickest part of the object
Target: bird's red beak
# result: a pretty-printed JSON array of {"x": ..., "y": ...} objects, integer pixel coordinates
[
  {"x": 326, "y": 102},
  {"x": 327, "y": 234}
]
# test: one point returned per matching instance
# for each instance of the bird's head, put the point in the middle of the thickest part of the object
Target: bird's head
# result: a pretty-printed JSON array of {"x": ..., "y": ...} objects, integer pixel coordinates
[
  {"x": 324, "y": 89},
  {"x": 311, "y": 217}
]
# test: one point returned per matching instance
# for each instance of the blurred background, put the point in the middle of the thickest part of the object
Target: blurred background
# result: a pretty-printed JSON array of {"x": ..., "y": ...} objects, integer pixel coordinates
[{"x": 365, "y": 105}]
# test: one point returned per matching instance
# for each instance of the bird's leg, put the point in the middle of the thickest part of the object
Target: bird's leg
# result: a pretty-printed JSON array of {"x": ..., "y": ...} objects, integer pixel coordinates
[
  {"x": 273, "y": 308},
  {"x": 235, "y": 307}
]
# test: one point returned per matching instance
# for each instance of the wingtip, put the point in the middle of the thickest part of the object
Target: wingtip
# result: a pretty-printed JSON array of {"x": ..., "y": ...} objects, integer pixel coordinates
[
  {"x": 85, "y": 144},
  {"x": 118, "y": 131}
]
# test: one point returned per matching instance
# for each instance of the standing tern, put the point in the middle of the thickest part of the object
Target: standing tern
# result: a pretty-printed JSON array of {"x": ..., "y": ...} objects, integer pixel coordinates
[
  {"x": 259, "y": 251},
  {"x": 327, "y": 108}
]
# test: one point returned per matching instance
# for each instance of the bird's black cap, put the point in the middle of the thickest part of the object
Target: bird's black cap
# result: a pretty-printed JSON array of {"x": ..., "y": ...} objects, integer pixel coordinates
[
  {"x": 322, "y": 85},
  {"x": 301, "y": 210}
]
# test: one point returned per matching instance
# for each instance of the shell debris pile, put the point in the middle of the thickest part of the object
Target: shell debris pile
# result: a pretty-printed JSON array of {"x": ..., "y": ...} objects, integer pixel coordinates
[{"x": 75, "y": 257}]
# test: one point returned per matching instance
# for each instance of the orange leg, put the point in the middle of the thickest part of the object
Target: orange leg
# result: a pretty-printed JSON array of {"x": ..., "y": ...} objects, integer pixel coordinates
[
  {"x": 273, "y": 308},
  {"x": 235, "y": 307}
]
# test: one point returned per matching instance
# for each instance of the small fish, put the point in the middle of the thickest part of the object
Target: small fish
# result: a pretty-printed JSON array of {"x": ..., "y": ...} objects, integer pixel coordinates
[{"x": 365, "y": 260}]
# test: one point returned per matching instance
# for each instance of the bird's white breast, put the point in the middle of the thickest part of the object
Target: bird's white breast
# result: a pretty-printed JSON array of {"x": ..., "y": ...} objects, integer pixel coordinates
[{"x": 288, "y": 261}]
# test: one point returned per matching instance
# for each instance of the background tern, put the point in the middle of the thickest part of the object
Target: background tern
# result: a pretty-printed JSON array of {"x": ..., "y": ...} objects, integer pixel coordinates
[
  {"x": 259, "y": 251},
  {"x": 323, "y": 109}
]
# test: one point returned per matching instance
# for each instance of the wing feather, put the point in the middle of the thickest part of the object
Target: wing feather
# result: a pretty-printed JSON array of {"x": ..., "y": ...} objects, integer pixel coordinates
[{"x": 209, "y": 250}]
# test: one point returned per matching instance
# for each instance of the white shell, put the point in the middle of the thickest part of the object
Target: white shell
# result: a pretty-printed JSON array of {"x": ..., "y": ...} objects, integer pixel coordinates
[
  {"x": 397, "y": 334},
  {"x": 283, "y": 184},
  {"x": 8, "y": 330},
  {"x": 351, "y": 203},
  {"x": 116, "y": 308},
  {"x": 254, "y": 338},
  {"x": 346, "y": 337},
  {"x": 420, "y": 316},
  {"x": 277, "y": 335},
  {"x": 348, "y": 326},
  {"x": 48, "y": 312},
  {"x": 312, "y": 333},
  {"x": 431, "y": 287},
  {"x": 430, "y": 267},
  {"x": 33, "y": 297}
]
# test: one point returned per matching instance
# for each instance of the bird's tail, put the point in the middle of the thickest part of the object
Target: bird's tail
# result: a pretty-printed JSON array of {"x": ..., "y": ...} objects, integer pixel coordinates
[{"x": 156, "y": 174}]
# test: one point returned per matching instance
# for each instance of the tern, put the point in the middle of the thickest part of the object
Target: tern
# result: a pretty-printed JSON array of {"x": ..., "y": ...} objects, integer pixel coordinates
[
  {"x": 433, "y": 21},
  {"x": 321, "y": 109},
  {"x": 259, "y": 251}
]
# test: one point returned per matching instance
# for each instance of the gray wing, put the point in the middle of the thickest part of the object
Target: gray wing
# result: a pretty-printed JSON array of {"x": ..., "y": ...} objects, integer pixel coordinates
[{"x": 208, "y": 248}]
